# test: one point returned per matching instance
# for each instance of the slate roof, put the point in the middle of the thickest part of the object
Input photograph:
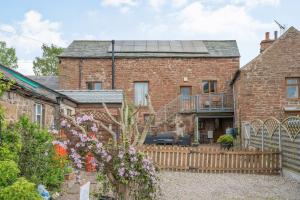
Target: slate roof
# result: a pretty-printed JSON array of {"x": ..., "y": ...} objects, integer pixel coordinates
[
  {"x": 49, "y": 81},
  {"x": 32, "y": 86},
  {"x": 94, "y": 96},
  {"x": 152, "y": 48}
]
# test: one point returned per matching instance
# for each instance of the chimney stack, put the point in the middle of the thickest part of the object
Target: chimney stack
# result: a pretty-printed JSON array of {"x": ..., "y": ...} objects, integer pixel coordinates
[
  {"x": 264, "y": 44},
  {"x": 275, "y": 35},
  {"x": 267, "y": 36}
]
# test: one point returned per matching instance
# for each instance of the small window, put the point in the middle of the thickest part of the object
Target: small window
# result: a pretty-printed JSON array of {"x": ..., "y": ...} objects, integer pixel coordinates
[
  {"x": 94, "y": 85},
  {"x": 38, "y": 114},
  {"x": 209, "y": 86},
  {"x": 140, "y": 93},
  {"x": 69, "y": 112},
  {"x": 292, "y": 88},
  {"x": 185, "y": 91}
]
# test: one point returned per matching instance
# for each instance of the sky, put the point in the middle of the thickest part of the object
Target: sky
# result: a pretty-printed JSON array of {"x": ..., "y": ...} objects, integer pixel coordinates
[{"x": 27, "y": 24}]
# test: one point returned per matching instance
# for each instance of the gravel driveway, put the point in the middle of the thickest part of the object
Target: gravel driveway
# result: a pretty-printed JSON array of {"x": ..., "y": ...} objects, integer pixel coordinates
[{"x": 196, "y": 186}]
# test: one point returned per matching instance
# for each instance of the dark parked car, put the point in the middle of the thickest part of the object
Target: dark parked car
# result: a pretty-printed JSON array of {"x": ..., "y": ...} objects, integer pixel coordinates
[{"x": 168, "y": 138}]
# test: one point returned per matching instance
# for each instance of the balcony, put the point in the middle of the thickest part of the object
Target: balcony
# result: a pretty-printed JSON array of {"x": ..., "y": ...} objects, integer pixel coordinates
[
  {"x": 202, "y": 103},
  {"x": 221, "y": 102}
]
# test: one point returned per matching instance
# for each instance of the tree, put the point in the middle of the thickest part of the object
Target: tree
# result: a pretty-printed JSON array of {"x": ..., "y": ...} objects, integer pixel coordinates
[
  {"x": 47, "y": 64},
  {"x": 8, "y": 56},
  {"x": 127, "y": 172}
]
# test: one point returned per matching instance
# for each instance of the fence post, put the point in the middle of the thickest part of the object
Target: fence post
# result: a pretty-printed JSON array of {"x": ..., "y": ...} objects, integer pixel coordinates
[
  {"x": 196, "y": 132},
  {"x": 197, "y": 103},
  {"x": 249, "y": 135},
  {"x": 262, "y": 138},
  {"x": 280, "y": 150}
]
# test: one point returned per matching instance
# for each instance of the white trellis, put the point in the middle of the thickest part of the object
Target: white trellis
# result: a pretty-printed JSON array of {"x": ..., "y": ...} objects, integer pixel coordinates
[{"x": 273, "y": 133}]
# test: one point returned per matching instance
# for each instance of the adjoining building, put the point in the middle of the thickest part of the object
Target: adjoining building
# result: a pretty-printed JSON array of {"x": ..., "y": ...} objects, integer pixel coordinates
[{"x": 269, "y": 85}]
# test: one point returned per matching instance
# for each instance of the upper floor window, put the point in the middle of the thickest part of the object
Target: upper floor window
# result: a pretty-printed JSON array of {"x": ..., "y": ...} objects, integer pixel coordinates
[
  {"x": 38, "y": 114},
  {"x": 140, "y": 93},
  {"x": 292, "y": 88},
  {"x": 94, "y": 85},
  {"x": 209, "y": 86}
]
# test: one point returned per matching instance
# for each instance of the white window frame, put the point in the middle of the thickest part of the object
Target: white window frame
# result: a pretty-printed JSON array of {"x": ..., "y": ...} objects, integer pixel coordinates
[
  {"x": 141, "y": 90},
  {"x": 37, "y": 113}
]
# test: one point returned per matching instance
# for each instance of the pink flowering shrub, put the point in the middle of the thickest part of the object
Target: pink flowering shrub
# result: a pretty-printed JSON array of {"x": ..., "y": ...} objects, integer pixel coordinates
[{"x": 130, "y": 174}]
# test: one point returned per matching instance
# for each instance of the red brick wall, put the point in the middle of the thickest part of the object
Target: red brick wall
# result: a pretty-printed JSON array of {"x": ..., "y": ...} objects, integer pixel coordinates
[
  {"x": 165, "y": 75},
  {"x": 260, "y": 91}
]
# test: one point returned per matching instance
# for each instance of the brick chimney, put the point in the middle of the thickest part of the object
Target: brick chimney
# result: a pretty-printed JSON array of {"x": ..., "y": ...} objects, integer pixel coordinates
[{"x": 264, "y": 44}]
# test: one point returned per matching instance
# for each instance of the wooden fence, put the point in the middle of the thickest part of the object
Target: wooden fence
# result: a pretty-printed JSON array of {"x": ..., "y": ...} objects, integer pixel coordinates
[{"x": 213, "y": 160}]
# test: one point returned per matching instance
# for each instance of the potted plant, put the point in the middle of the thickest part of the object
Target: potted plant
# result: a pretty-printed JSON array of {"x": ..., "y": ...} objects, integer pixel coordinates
[
  {"x": 68, "y": 173},
  {"x": 226, "y": 141}
]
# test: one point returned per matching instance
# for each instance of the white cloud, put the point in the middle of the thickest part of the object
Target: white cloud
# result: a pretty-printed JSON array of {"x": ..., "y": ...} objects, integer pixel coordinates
[
  {"x": 158, "y": 4},
  {"x": 178, "y": 3},
  {"x": 119, "y": 2},
  {"x": 123, "y": 5},
  {"x": 28, "y": 35},
  {"x": 254, "y": 3},
  {"x": 228, "y": 21},
  {"x": 25, "y": 67}
]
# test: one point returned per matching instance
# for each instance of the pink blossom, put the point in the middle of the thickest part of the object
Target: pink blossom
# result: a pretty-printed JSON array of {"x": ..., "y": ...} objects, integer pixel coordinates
[
  {"x": 133, "y": 159},
  {"x": 99, "y": 145},
  {"x": 94, "y": 128},
  {"x": 121, "y": 154},
  {"x": 63, "y": 123},
  {"x": 132, "y": 150},
  {"x": 121, "y": 171},
  {"x": 62, "y": 144},
  {"x": 108, "y": 158},
  {"x": 76, "y": 158}
]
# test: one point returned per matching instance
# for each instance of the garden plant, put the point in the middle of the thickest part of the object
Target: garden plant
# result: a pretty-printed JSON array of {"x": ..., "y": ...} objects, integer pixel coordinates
[{"x": 121, "y": 167}]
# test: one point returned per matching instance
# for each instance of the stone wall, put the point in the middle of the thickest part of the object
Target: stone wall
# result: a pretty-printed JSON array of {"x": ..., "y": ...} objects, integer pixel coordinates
[
  {"x": 15, "y": 105},
  {"x": 260, "y": 90}
]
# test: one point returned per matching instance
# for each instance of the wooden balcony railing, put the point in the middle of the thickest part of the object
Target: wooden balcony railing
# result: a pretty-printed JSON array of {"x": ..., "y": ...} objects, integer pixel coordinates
[
  {"x": 221, "y": 102},
  {"x": 207, "y": 103}
]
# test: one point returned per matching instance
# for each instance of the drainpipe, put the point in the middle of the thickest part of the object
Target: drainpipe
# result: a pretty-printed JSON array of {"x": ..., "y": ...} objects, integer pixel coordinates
[
  {"x": 80, "y": 73},
  {"x": 57, "y": 112},
  {"x": 113, "y": 64}
]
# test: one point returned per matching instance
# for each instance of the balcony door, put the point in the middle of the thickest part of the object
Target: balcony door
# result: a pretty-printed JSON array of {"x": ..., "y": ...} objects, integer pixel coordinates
[{"x": 185, "y": 93}]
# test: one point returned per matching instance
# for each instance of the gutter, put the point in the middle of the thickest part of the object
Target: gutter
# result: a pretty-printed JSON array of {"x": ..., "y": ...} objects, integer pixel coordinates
[{"x": 34, "y": 84}]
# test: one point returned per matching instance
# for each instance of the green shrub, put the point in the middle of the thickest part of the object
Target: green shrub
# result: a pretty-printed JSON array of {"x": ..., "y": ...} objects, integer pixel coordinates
[
  {"x": 20, "y": 190},
  {"x": 38, "y": 161},
  {"x": 226, "y": 138},
  {"x": 11, "y": 143},
  {"x": 9, "y": 172},
  {"x": 7, "y": 154}
]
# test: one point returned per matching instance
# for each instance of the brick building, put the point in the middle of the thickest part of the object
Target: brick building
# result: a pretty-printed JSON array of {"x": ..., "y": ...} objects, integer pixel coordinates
[
  {"x": 269, "y": 85},
  {"x": 186, "y": 78},
  {"x": 28, "y": 97}
]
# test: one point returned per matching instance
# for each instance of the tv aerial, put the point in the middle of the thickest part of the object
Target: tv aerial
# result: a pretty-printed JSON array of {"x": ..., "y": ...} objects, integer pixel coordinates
[{"x": 282, "y": 27}]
